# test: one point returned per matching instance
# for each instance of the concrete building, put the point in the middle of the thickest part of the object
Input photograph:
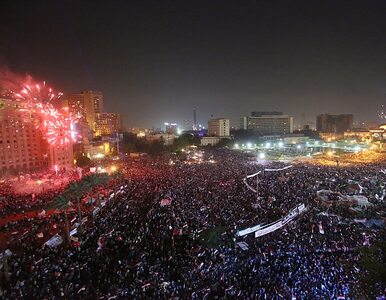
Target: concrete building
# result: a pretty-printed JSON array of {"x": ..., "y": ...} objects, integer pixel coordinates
[
  {"x": 22, "y": 146},
  {"x": 107, "y": 124},
  {"x": 61, "y": 157},
  {"x": 171, "y": 128},
  {"x": 334, "y": 123},
  {"x": 219, "y": 127},
  {"x": 87, "y": 104},
  {"x": 267, "y": 123},
  {"x": 211, "y": 140}
]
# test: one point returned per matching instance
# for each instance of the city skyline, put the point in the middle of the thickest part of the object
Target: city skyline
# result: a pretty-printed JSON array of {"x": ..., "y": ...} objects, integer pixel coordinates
[{"x": 155, "y": 62}]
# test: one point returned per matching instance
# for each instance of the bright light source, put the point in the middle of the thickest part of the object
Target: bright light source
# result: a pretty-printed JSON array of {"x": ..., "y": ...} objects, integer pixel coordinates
[
  {"x": 299, "y": 146},
  {"x": 249, "y": 145},
  {"x": 236, "y": 146},
  {"x": 268, "y": 144},
  {"x": 113, "y": 168},
  {"x": 280, "y": 144},
  {"x": 261, "y": 155}
]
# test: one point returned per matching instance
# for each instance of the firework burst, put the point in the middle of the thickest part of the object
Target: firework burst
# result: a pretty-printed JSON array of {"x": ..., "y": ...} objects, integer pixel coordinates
[{"x": 58, "y": 126}]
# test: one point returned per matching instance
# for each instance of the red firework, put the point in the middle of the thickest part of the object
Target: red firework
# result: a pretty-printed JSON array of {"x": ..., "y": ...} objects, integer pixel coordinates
[{"x": 58, "y": 126}]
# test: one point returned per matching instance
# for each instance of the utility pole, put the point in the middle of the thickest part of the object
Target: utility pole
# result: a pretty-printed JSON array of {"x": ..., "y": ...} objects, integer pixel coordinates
[{"x": 257, "y": 187}]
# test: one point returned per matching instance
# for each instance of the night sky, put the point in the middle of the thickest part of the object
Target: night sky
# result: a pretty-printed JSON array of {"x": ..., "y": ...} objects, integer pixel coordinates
[{"x": 156, "y": 60}]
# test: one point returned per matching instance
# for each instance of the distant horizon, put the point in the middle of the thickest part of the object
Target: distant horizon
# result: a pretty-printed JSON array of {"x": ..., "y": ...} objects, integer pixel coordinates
[{"x": 156, "y": 61}]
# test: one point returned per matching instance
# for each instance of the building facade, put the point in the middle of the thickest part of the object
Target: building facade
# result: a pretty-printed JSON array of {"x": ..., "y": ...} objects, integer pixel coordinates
[
  {"x": 107, "y": 124},
  {"x": 22, "y": 145},
  {"x": 61, "y": 157},
  {"x": 267, "y": 123},
  {"x": 334, "y": 123},
  {"x": 87, "y": 104},
  {"x": 171, "y": 128},
  {"x": 219, "y": 127}
]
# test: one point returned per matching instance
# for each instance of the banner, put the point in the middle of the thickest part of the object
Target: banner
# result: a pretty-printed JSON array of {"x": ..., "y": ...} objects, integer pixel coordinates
[
  {"x": 261, "y": 230},
  {"x": 256, "y": 174},
  {"x": 248, "y": 230},
  {"x": 55, "y": 241},
  {"x": 277, "y": 170},
  {"x": 281, "y": 222}
]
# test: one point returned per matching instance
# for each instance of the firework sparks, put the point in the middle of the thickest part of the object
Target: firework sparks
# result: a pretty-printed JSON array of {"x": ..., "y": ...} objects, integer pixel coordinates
[{"x": 58, "y": 126}]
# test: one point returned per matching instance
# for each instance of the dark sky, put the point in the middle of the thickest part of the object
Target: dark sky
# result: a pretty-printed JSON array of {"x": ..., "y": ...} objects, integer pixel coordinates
[{"x": 156, "y": 60}]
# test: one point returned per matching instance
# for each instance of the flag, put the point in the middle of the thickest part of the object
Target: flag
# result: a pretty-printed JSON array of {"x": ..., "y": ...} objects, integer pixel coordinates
[
  {"x": 321, "y": 230},
  {"x": 177, "y": 232},
  {"x": 55, "y": 241},
  {"x": 165, "y": 202}
]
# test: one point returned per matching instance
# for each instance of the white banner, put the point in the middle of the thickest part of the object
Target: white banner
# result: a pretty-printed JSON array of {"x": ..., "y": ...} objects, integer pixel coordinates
[
  {"x": 277, "y": 170},
  {"x": 258, "y": 173},
  {"x": 280, "y": 223},
  {"x": 56, "y": 240},
  {"x": 260, "y": 230}
]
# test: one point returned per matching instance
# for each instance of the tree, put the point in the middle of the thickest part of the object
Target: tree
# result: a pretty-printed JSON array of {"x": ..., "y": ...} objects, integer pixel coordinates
[
  {"x": 83, "y": 161},
  {"x": 185, "y": 140}
]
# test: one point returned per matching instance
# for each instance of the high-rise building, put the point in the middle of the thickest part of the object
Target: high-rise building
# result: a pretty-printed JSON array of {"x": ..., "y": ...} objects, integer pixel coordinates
[
  {"x": 334, "y": 123},
  {"x": 268, "y": 123},
  {"x": 171, "y": 128},
  {"x": 22, "y": 146},
  {"x": 266, "y": 113},
  {"x": 87, "y": 104},
  {"x": 194, "y": 120},
  {"x": 107, "y": 124},
  {"x": 219, "y": 127}
]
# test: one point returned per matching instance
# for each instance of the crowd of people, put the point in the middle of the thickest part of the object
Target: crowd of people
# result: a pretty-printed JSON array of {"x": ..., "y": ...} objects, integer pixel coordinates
[
  {"x": 25, "y": 193},
  {"x": 168, "y": 231}
]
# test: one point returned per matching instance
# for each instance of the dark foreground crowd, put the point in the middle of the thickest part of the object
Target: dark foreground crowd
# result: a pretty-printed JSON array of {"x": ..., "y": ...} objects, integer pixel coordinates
[{"x": 168, "y": 231}]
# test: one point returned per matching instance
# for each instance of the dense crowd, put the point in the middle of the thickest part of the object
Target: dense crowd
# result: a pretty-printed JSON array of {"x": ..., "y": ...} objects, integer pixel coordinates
[
  {"x": 23, "y": 194},
  {"x": 168, "y": 231}
]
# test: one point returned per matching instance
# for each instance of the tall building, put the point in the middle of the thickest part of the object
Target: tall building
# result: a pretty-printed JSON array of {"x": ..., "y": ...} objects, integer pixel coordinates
[
  {"x": 187, "y": 125},
  {"x": 266, "y": 113},
  {"x": 219, "y": 127},
  {"x": 107, "y": 124},
  {"x": 171, "y": 128},
  {"x": 194, "y": 120},
  {"x": 87, "y": 104},
  {"x": 268, "y": 123},
  {"x": 334, "y": 123},
  {"x": 22, "y": 146}
]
